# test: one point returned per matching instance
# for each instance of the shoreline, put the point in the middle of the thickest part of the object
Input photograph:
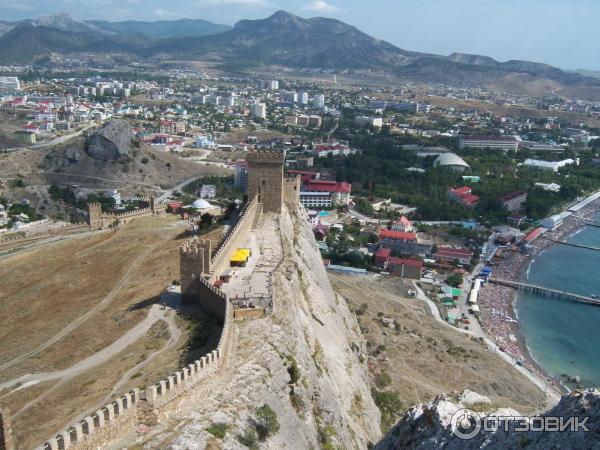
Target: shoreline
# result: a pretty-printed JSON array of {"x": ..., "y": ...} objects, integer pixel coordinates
[{"x": 500, "y": 303}]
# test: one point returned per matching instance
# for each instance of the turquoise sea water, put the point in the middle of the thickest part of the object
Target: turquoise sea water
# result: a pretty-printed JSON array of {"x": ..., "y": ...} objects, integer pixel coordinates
[{"x": 564, "y": 336}]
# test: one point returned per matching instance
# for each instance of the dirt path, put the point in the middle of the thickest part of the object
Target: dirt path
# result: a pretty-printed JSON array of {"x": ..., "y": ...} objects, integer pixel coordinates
[
  {"x": 155, "y": 314},
  {"x": 80, "y": 320},
  {"x": 98, "y": 358}
]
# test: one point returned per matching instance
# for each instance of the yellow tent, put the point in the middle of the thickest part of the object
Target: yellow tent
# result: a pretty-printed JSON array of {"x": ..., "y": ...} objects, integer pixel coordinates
[{"x": 240, "y": 256}]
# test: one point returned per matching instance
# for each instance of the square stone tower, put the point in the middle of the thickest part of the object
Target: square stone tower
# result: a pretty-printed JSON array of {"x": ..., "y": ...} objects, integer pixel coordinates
[
  {"x": 265, "y": 178},
  {"x": 95, "y": 216}
]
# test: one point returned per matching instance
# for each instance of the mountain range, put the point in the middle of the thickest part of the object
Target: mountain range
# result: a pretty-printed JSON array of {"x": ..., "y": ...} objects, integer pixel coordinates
[{"x": 282, "y": 39}]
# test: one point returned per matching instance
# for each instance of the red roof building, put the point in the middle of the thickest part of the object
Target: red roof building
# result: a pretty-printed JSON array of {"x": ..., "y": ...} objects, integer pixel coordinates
[
  {"x": 406, "y": 268},
  {"x": 458, "y": 254},
  {"x": 532, "y": 236},
  {"x": 402, "y": 224},
  {"x": 463, "y": 195},
  {"x": 382, "y": 257},
  {"x": 398, "y": 235}
]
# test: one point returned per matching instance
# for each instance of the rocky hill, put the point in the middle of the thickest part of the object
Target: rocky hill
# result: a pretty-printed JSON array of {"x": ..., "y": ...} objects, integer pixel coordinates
[
  {"x": 113, "y": 142},
  {"x": 431, "y": 425}
]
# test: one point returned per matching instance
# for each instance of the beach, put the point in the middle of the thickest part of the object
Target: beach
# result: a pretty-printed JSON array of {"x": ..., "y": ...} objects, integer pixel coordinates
[{"x": 499, "y": 316}]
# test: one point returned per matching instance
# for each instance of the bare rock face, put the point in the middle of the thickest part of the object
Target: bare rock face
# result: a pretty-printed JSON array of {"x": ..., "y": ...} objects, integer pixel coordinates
[
  {"x": 431, "y": 425},
  {"x": 112, "y": 142},
  {"x": 73, "y": 154}
]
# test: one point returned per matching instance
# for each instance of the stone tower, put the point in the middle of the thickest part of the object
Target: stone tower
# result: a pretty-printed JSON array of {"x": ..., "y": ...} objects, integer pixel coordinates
[
  {"x": 265, "y": 178},
  {"x": 6, "y": 438},
  {"x": 95, "y": 216},
  {"x": 194, "y": 261}
]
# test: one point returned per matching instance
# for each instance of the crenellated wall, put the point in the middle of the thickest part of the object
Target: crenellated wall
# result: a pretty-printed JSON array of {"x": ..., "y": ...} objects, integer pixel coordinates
[
  {"x": 199, "y": 265},
  {"x": 236, "y": 237},
  {"x": 158, "y": 401},
  {"x": 98, "y": 220}
]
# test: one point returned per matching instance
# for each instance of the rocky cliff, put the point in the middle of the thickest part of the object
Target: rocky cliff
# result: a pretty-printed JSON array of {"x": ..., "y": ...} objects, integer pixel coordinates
[
  {"x": 431, "y": 425},
  {"x": 329, "y": 404},
  {"x": 112, "y": 142}
]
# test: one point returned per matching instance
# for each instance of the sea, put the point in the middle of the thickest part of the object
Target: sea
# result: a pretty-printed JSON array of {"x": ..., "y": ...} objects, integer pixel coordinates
[{"x": 563, "y": 336}]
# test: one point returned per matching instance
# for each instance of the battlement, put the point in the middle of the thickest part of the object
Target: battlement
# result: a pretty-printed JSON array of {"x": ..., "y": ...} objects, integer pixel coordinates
[
  {"x": 156, "y": 400},
  {"x": 265, "y": 156}
]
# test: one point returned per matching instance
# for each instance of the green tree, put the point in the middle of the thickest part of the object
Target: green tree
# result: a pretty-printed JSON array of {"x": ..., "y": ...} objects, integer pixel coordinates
[{"x": 266, "y": 422}]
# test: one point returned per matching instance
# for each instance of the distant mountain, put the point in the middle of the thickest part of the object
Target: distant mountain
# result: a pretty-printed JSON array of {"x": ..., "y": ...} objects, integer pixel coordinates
[
  {"x": 288, "y": 40},
  {"x": 161, "y": 29},
  {"x": 281, "y": 39},
  {"x": 27, "y": 43}
]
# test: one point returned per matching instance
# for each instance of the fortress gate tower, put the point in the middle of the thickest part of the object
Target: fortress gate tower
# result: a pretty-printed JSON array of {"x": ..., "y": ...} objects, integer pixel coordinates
[{"x": 265, "y": 178}]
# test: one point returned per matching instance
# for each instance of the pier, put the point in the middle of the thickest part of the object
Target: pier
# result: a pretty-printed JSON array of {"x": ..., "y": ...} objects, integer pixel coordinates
[
  {"x": 548, "y": 292},
  {"x": 592, "y": 223},
  {"x": 571, "y": 244}
]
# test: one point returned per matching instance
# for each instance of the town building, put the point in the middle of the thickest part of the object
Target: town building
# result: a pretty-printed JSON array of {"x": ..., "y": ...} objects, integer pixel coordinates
[
  {"x": 303, "y": 98},
  {"x": 172, "y": 127},
  {"x": 451, "y": 161},
  {"x": 259, "y": 110},
  {"x": 554, "y": 166},
  {"x": 241, "y": 176},
  {"x": 513, "y": 201},
  {"x": 319, "y": 101},
  {"x": 410, "y": 244},
  {"x": 338, "y": 191},
  {"x": 9, "y": 84},
  {"x": 453, "y": 254},
  {"x": 504, "y": 143},
  {"x": 402, "y": 224},
  {"x": 208, "y": 191},
  {"x": 406, "y": 268},
  {"x": 368, "y": 122},
  {"x": 463, "y": 195}
]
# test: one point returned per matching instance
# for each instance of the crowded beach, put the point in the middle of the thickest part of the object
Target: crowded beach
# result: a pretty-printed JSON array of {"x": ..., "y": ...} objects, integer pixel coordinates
[{"x": 497, "y": 312}]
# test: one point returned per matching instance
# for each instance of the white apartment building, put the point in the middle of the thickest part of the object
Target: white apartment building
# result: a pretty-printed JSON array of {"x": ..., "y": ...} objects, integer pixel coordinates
[
  {"x": 10, "y": 84},
  {"x": 259, "y": 110},
  {"x": 319, "y": 101}
]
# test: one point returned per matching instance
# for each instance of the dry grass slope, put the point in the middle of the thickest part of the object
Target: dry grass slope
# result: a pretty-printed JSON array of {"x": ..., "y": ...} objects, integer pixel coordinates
[{"x": 423, "y": 358}]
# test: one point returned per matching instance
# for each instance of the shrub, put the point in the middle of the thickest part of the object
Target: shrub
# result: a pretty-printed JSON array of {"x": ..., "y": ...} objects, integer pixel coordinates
[
  {"x": 382, "y": 380},
  {"x": 248, "y": 438},
  {"x": 145, "y": 160},
  {"x": 389, "y": 404},
  {"x": 218, "y": 429},
  {"x": 294, "y": 372},
  {"x": 266, "y": 422}
]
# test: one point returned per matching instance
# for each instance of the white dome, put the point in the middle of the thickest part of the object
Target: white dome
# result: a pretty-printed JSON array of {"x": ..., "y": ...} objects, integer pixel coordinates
[
  {"x": 450, "y": 159},
  {"x": 201, "y": 204}
]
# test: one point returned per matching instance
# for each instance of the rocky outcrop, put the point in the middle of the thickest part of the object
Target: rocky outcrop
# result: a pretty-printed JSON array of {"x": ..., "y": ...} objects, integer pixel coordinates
[
  {"x": 433, "y": 425},
  {"x": 329, "y": 405},
  {"x": 112, "y": 142},
  {"x": 73, "y": 154}
]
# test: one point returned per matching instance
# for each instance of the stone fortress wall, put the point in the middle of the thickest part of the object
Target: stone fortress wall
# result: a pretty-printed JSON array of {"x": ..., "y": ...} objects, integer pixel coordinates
[
  {"x": 99, "y": 220},
  {"x": 199, "y": 266}
]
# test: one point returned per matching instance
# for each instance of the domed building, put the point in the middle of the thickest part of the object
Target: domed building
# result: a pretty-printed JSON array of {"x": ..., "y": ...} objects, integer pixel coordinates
[
  {"x": 452, "y": 161},
  {"x": 201, "y": 204}
]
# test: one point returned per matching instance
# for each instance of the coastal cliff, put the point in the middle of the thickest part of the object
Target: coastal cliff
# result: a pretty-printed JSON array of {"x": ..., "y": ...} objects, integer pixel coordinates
[{"x": 429, "y": 425}]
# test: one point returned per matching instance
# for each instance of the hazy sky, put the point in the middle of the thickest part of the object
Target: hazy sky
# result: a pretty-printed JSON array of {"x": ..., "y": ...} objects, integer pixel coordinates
[{"x": 564, "y": 33}]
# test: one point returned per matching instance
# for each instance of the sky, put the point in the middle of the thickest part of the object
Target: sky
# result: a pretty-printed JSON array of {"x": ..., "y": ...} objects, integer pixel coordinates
[{"x": 563, "y": 33}]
